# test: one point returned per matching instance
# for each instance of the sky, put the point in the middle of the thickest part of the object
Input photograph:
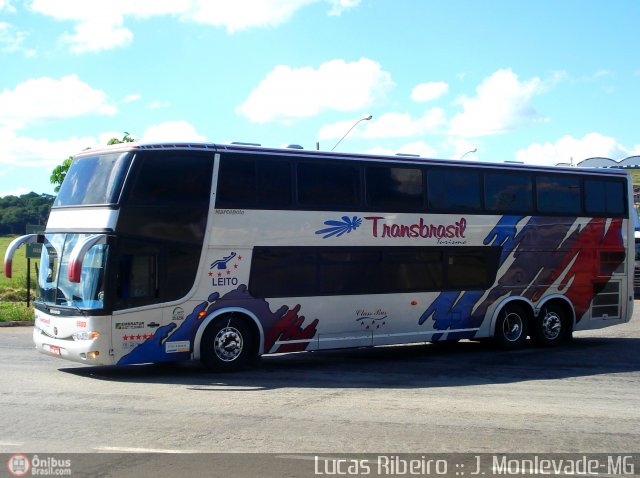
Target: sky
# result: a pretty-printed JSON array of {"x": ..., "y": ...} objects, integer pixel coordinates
[{"x": 541, "y": 82}]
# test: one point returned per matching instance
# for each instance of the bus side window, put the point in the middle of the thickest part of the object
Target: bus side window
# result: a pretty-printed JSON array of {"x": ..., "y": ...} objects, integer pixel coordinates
[{"x": 137, "y": 282}]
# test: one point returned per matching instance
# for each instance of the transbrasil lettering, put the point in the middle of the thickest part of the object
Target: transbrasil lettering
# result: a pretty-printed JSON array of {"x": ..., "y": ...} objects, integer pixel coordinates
[{"x": 418, "y": 229}]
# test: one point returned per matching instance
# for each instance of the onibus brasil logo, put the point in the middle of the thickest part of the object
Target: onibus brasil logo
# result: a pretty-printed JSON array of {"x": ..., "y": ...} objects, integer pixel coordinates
[{"x": 20, "y": 465}]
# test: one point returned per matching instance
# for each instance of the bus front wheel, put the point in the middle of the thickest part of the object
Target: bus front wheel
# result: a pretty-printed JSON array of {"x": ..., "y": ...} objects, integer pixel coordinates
[
  {"x": 551, "y": 327},
  {"x": 227, "y": 345},
  {"x": 511, "y": 327}
]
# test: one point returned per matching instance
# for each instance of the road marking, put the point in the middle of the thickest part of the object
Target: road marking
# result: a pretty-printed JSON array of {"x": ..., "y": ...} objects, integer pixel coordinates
[
  {"x": 140, "y": 450},
  {"x": 8, "y": 443}
]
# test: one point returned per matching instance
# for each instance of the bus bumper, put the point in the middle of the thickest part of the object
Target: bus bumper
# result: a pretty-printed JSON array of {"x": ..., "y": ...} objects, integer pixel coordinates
[{"x": 88, "y": 351}]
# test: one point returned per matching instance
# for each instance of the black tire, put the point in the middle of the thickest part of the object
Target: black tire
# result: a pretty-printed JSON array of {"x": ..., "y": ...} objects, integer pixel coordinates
[
  {"x": 552, "y": 326},
  {"x": 511, "y": 327},
  {"x": 228, "y": 344}
]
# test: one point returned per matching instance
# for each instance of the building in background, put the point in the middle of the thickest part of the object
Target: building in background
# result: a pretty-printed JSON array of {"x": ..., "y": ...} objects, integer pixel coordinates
[{"x": 632, "y": 164}]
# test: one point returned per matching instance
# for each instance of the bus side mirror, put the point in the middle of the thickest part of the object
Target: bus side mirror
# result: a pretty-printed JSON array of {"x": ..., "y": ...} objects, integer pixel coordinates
[
  {"x": 13, "y": 247},
  {"x": 77, "y": 255}
]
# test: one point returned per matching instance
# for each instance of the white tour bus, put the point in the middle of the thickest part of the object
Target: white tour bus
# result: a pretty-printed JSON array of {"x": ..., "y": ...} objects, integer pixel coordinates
[{"x": 167, "y": 252}]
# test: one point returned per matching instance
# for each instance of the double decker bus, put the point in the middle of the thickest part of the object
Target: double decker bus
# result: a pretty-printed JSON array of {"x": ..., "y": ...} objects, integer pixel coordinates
[{"x": 222, "y": 253}]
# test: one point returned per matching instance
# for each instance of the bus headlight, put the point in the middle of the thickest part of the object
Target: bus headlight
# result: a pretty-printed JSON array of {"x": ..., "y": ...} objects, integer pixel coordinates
[{"x": 84, "y": 335}]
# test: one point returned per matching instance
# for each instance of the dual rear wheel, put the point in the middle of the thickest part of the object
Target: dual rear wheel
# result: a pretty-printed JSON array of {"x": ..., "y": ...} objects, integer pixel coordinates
[{"x": 551, "y": 327}]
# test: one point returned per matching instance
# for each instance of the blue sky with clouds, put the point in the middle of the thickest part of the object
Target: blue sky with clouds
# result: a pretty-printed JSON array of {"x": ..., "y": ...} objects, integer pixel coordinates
[{"x": 541, "y": 82}]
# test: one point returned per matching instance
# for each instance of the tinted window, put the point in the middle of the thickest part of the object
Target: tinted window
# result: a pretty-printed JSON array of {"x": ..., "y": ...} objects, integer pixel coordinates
[
  {"x": 413, "y": 269},
  {"x": 604, "y": 197},
  {"x": 154, "y": 272},
  {"x": 311, "y": 271},
  {"x": 94, "y": 180},
  {"x": 254, "y": 182},
  {"x": 171, "y": 178},
  {"x": 137, "y": 278},
  {"x": 273, "y": 183},
  {"x": 281, "y": 272},
  {"x": 558, "y": 194},
  {"x": 508, "y": 192},
  {"x": 453, "y": 190},
  {"x": 394, "y": 188},
  {"x": 326, "y": 185},
  {"x": 236, "y": 182},
  {"x": 349, "y": 271},
  {"x": 468, "y": 270}
]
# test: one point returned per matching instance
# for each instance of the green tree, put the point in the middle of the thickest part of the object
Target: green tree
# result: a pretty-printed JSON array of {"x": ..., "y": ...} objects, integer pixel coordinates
[
  {"x": 59, "y": 172},
  {"x": 16, "y": 212},
  {"x": 125, "y": 139}
]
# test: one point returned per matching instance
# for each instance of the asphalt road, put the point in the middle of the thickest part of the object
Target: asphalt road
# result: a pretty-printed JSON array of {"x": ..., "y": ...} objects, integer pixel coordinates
[{"x": 463, "y": 397}]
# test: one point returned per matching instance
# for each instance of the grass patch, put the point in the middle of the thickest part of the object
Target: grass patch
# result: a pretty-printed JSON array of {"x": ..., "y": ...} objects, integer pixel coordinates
[
  {"x": 15, "y": 289},
  {"x": 14, "y": 311}
]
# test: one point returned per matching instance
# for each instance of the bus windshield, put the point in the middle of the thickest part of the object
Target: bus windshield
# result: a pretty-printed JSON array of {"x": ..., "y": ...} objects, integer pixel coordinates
[
  {"x": 54, "y": 287},
  {"x": 94, "y": 180}
]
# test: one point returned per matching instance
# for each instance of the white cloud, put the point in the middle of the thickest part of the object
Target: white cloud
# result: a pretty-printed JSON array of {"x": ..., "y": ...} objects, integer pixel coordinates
[
  {"x": 6, "y": 5},
  {"x": 172, "y": 131},
  {"x": 461, "y": 147},
  {"x": 429, "y": 91},
  {"x": 131, "y": 98},
  {"x": 339, "y": 129},
  {"x": 98, "y": 27},
  {"x": 243, "y": 14},
  {"x": 157, "y": 104},
  {"x": 417, "y": 147},
  {"x": 502, "y": 102},
  {"x": 14, "y": 192},
  {"x": 288, "y": 93},
  {"x": 47, "y": 98},
  {"x": 100, "y": 24},
  {"x": 11, "y": 40},
  {"x": 339, "y": 6},
  {"x": 568, "y": 149},
  {"x": 389, "y": 125},
  {"x": 24, "y": 151},
  {"x": 399, "y": 125},
  {"x": 98, "y": 34}
]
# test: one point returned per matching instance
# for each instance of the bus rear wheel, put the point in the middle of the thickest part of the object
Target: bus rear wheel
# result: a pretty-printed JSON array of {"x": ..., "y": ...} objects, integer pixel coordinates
[
  {"x": 227, "y": 345},
  {"x": 511, "y": 327},
  {"x": 551, "y": 327}
]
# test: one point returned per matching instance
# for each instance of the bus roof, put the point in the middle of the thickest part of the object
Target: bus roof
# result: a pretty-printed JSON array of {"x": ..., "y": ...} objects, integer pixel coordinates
[{"x": 296, "y": 151}]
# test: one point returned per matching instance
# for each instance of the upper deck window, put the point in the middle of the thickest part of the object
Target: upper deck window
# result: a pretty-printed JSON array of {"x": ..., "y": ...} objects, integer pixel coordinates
[
  {"x": 328, "y": 185},
  {"x": 170, "y": 178},
  {"x": 505, "y": 192},
  {"x": 454, "y": 190},
  {"x": 394, "y": 188},
  {"x": 604, "y": 197},
  {"x": 559, "y": 194},
  {"x": 94, "y": 180},
  {"x": 250, "y": 182}
]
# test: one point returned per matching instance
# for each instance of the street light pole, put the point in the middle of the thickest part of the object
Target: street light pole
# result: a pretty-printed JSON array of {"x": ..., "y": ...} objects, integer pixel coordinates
[
  {"x": 366, "y": 118},
  {"x": 474, "y": 150}
]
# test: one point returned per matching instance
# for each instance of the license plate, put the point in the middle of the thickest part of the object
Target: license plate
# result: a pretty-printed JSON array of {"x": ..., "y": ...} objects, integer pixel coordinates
[{"x": 54, "y": 349}]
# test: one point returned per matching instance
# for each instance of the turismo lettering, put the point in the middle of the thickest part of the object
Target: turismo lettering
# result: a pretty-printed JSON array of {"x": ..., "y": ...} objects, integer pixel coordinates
[{"x": 419, "y": 229}]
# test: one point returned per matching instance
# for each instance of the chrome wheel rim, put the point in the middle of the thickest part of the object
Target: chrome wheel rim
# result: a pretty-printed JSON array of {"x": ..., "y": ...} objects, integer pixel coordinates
[
  {"x": 228, "y": 344},
  {"x": 551, "y": 325},
  {"x": 512, "y": 327}
]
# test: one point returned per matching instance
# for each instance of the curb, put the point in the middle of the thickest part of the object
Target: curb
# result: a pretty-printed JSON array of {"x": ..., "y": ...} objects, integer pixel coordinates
[{"x": 18, "y": 323}]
